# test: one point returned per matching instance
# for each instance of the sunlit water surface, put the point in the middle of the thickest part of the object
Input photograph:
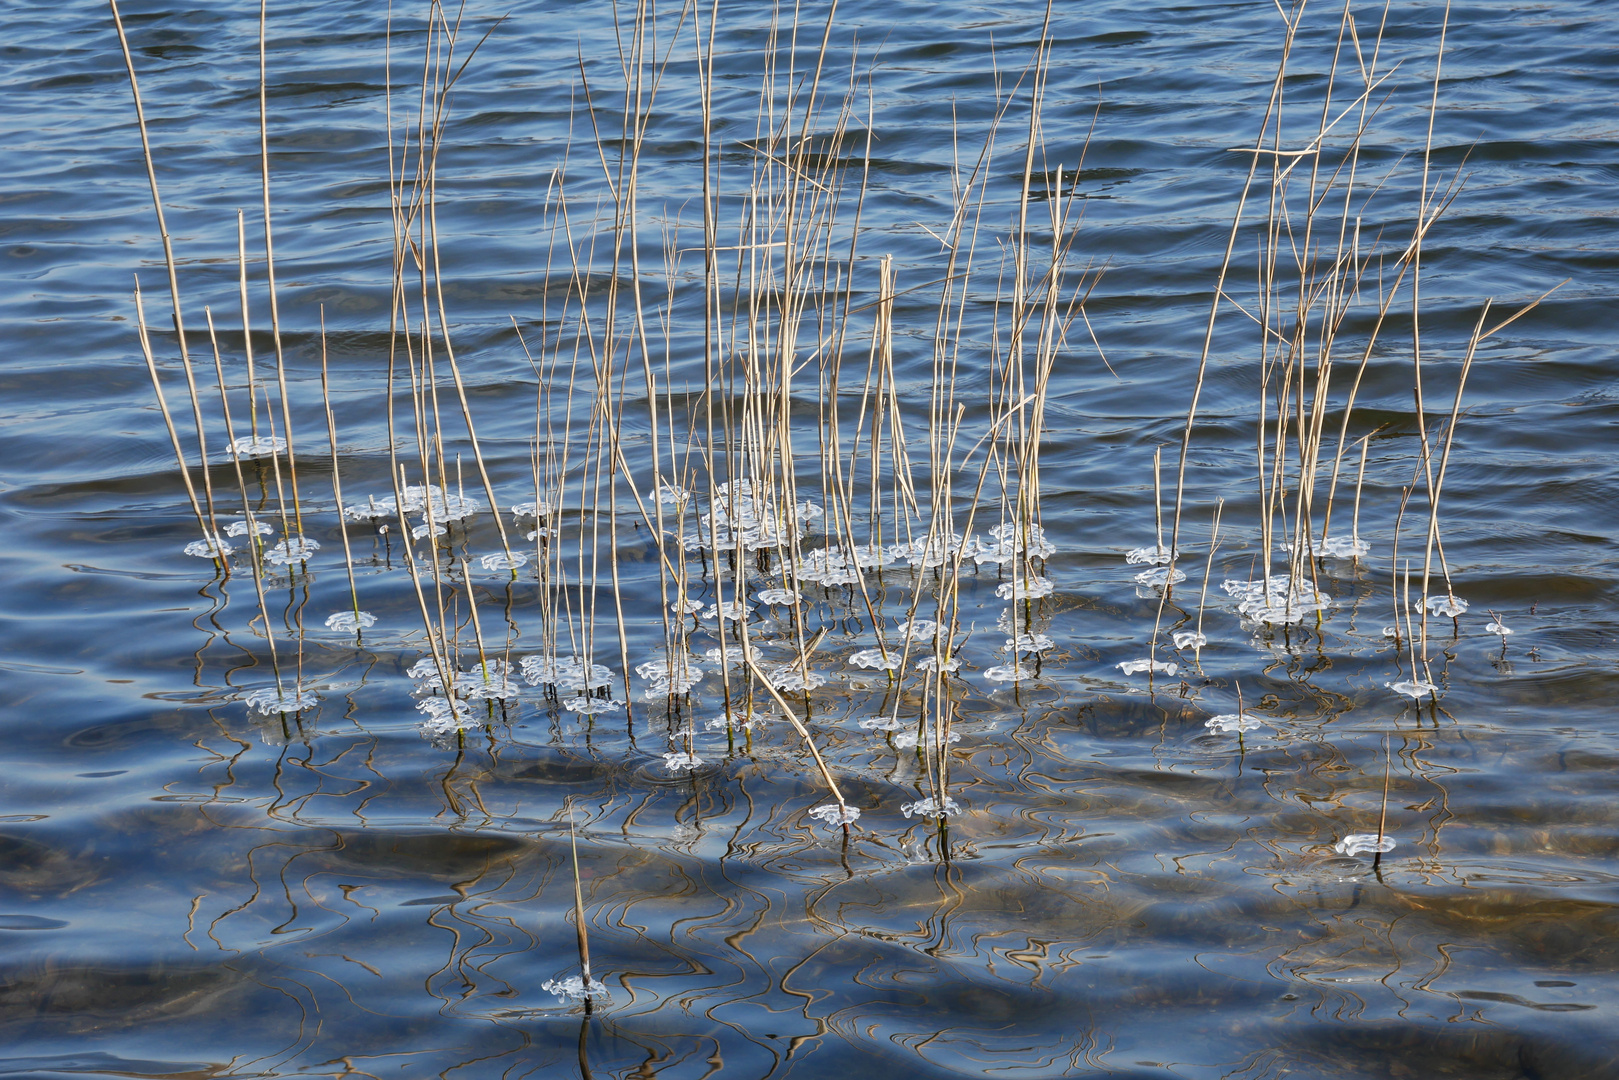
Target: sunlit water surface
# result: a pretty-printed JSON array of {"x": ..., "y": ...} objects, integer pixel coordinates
[{"x": 188, "y": 889}]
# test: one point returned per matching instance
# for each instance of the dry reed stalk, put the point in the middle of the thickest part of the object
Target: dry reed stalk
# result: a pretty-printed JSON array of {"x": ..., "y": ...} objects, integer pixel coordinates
[{"x": 337, "y": 482}]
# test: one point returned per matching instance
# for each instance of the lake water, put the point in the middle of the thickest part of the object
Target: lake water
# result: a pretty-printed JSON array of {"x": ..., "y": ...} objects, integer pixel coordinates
[{"x": 189, "y": 887}]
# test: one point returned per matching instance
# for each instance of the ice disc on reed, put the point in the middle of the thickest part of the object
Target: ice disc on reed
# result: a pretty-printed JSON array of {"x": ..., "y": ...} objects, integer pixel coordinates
[
  {"x": 1159, "y": 576},
  {"x": 880, "y": 723},
  {"x": 444, "y": 715},
  {"x": 1151, "y": 556},
  {"x": 1031, "y": 643},
  {"x": 424, "y": 529},
  {"x": 777, "y": 596},
  {"x": 1497, "y": 627},
  {"x": 1413, "y": 688},
  {"x": 928, "y": 807},
  {"x": 566, "y": 673},
  {"x": 905, "y": 740},
  {"x": 1135, "y": 667},
  {"x": 502, "y": 560},
  {"x": 276, "y": 699},
  {"x": 875, "y": 658},
  {"x": 591, "y": 706},
  {"x": 791, "y": 677},
  {"x": 1449, "y": 606},
  {"x": 1028, "y": 587},
  {"x": 670, "y": 495},
  {"x": 350, "y": 621},
  {"x": 1189, "y": 639},
  {"x": 730, "y": 611},
  {"x": 574, "y": 990},
  {"x": 1360, "y": 843},
  {"x": 746, "y": 720},
  {"x": 1238, "y": 722},
  {"x": 1345, "y": 547},
  {"x": 294, "y": 549},
  {"x": 679, "y": 761},
  {"x": 490, "y": 681},
  {"x": 259, "y": 446},
  {"x": 209, "y": 547},
  {"x": 686, "y": 607},
  {"x": 240, "y": 527},
  {"x": 731, "y": 654},
  {"x": 919, "y": 628},
  {"x": 934, "y": 663},
  {"x": 831, "y": 814},
  {"x": 1008, "y": 673}
]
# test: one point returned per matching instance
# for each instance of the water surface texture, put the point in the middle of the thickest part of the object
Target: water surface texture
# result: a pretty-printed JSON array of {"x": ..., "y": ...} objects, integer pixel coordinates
[{"x": 190, "y": 887}]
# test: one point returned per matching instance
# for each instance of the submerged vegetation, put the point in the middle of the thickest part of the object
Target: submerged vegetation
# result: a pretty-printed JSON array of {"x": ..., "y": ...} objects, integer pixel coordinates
[{"x": 740, "y": 521}]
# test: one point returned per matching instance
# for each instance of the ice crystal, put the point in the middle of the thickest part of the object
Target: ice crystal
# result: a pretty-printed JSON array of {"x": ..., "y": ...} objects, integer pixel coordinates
[
  {"x": 1135, "y": 667},
  {"x": 1008, "y": 673},
  {"x": 1238, "y": 722},
  {"x": 929, "y": 808},
  {"x": 875, "y": 658},
  {"x": 501, "y": 560},
  {"x": 831, "y": 814},
  {"x": 294, "y": 549},
  {"x": 1025, "y": 588},
  {"x": 273, "y": 699},
  {"x": 574, "y": 990},
  {"x": 1413, "y": 688},
  {"x": 350, "y": 621},
  {"x": 259, "y": 446},
  {"x": 1189, "y": 639},
  {"x": 1158, "y": 555},
  {"x": 1360, "y": 843},
  {"x": 240, "y": 527},
  {"x": 209, "y": 547},
  {"x": 681, "y": 762}
]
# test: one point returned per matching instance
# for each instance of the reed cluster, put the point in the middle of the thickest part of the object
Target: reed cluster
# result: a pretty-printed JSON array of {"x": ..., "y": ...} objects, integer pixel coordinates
[{"x": 728, "y": 407}]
